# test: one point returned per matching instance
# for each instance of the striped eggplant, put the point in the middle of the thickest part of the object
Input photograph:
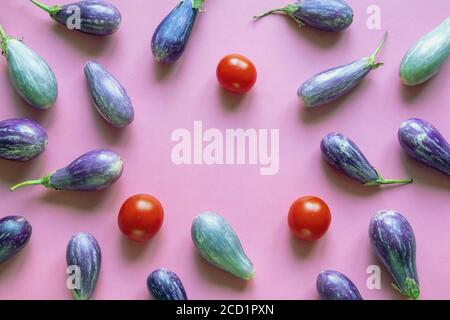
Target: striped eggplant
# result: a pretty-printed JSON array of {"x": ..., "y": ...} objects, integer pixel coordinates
[
  {"x": 93, "y": 171},
  {"x": 110, "y": 97},
  {"x": 218, "y": 244},
  {"x": 334, "y": 83},
  {"x": 164, "y": 284},
  {"x": 15, "y": 232},
  {"x": 172, "y": 34},
  {"x": 333, "y": 285},
  {"x": 327, "y": 15},
  {"x": 427, "y": 56},
  {"x": 344, "y": 155},
  {"x": 84, "y": 254},
  {"x": 21, "y": 139},
  {"x": 96, "y": 17},
  {"x": 393, "y": 241},
  {"x": 422, "y": 141},
  {"x": 29, "y": 73}
]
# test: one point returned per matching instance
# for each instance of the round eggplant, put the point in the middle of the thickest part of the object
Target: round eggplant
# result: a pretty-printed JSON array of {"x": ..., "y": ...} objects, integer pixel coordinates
[
  {"x": 218, "y": 244},
  {"x": 29, "y": 73},
  {"x": 164, "y": 284},
  {"x": 327, "y": 15},
  {"x": 172, "y": 34},
  {"x": 110, "y": 97},
  {"x": 393, "y": 241},
  {"x": 334, "y": 83},
  {"x": 427, "y": 56},
  {"x": 422, "y": 141},
  {"x": 83, "y": 252},
  {"x": 96, "y": 17},
  {"x": 21, "y": 139},
  {"x": 93, "y": 171},
  {"x": 345, "y": 156},
  {"x": 333, "y": 285},
  {"x": 15, "y": 232}
]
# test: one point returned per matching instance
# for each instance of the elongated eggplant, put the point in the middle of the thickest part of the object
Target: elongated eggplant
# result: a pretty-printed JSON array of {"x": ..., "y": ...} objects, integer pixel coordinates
[
  {"x": 344, "y": 155},
  {"x": 21, "y": 139},
  {"x": 218, "y": 244},
  {"x": 29, "y": 73},
  {"x": 327, "y": 15},
  {"x": 15, "y": 232},
  {"x": 334, "y": 83},
  {"x": 96, "y": 17},
  {"x": 110, "y": 97},
  {"x": 333, "y": 285},
  {"x": 93, "y": 171},
  {"x": 164, "y": 284},
  {"x": 427, "y": 56},
  {"x": 393, "y": 240},
  {"x": 83, "y": 253},
  {"x": 422, "y": 141},
  {"x": 172, "y": 34}
]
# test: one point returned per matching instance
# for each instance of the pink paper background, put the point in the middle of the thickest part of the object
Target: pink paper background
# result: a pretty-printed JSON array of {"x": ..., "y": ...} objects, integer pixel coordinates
[{"x": 169, "y": 98}]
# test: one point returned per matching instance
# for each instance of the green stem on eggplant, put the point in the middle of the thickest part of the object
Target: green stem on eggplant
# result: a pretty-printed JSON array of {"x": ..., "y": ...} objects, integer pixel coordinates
[
  {"x": 50, "y": 10},
  {"x": 382, "y": 181},
  {"x": 290, "y": 9},
  {"x": 3, "y": 40},
  {"x": 45, "y": 181},
  {"x": 374, "y": 55},
  {"x": 197, "y": 4}
]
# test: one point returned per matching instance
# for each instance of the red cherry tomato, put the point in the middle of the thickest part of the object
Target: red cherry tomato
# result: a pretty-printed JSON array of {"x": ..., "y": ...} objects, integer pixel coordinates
[
  {"x": 309, "y": 218},
  {"x": 236, "y": 73},
  {"x": 140, "y": 217}
]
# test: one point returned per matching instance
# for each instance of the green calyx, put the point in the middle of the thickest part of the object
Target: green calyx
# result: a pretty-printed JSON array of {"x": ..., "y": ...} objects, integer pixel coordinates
[
  {"x": 52, "y": 11},
  {"x": 371, "y": 60},
  {"x": 3, "y": 40},
  {"x": 45, "y": 181},
  {"x": 197, "y": 4},
  {"x": 380, "y": 181},
  {"x": 411, "y": 290},
  {"x": 289, "y": 10}
]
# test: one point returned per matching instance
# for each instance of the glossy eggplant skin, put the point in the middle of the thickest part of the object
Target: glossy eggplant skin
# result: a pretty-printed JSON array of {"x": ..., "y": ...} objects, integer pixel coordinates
[
  {"x": 97, "y": 17},
  {"x": 83, "y": 251},
  {"x": 393, "y": 241},
  {"x": 172, "y": 34},
  {"x": 345, "y": 156},
  {"x": 217, "y": 243},
  {"x": 422, "y": 141},
  {"x": 427, "y": 56},
  {"x": 15, "y": 232},
  {"x": 110, "y": 97},
  {"x": 93, "y": 171},
  {"x": 30, "y": 75},
  {"x": 333, "y": 285},
  {"x": 326, "y": 15},
  {"x": 164, "y": 284},
  {"x": 21, "y": 139},
  {"x": 334, "y": 83}
]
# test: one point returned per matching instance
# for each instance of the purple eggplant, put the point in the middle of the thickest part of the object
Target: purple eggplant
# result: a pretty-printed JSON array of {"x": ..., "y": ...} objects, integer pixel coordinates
[
  {"x": 344, "y": 155},
  {"x": 110, "y": 97},
  {"x": 333, "y": 285},
  {"x": 334, "y": 83},
  {"x": 15, "y": 232},
  {"x": 172, "y": 34},
  {"x": 93, "y": 171},
  {"x": 97, "y": 17},
  {"x": 21, "y": 139},
  {"x": 422, "y": 141},
  {"x": 393, "y": 240},
  {"x": 83, "y": 252},
  {"x": 327, "y": 15},
  {"x": 164, "y": 284}
]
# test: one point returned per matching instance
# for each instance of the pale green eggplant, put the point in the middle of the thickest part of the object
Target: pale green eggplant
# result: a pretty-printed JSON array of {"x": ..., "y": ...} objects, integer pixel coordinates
[
  {"x": 218, "y": 244},
  {"x": 427, "y": 56},
  {"x": 29, "y": 73}
]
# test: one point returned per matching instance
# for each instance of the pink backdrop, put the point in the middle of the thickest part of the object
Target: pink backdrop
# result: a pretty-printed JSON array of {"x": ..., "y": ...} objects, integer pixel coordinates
[{"x": 169, "y": 98}]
